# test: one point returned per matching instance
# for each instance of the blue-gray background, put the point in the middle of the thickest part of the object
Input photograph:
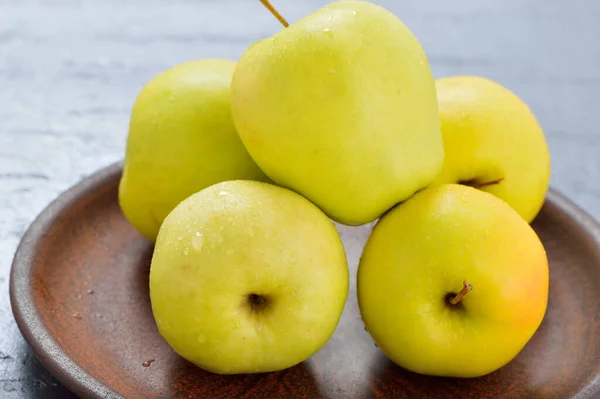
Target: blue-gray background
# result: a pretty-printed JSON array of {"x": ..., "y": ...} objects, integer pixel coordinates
[{"x": 70, "y": 71}]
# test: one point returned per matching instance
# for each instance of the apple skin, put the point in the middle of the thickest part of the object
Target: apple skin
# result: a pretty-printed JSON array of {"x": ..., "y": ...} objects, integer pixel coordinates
[
  {"x": 423, "y": 250},
  {"x": 230, "y": 241},
  {"x": 181, "y": 139},
  {"x": 490, "y": 134},
  {"x": 341, "y": 108}
]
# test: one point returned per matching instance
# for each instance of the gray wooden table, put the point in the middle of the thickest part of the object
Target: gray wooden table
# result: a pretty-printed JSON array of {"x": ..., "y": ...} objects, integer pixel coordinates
[{"x": 70, "y": 71}]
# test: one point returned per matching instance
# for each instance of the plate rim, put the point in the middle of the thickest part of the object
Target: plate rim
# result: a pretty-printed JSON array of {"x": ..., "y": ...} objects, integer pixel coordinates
[
  {"x": 44, "y": 346},
  {"x": 55, "y": 358}
]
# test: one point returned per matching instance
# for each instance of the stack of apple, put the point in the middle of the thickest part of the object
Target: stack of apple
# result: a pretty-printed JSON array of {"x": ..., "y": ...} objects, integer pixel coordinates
[{"x": 237, "y": 171}]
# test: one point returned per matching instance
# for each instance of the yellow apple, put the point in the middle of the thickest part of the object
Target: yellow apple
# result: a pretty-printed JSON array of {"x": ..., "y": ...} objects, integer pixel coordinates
[
  {"x": 341, "y": 108},
  {"x": 247, "y": 277},
  {"x": 492, "y": 141},
  {"x": 415, "y": 263},
  {"x": 181, "y": 139}
]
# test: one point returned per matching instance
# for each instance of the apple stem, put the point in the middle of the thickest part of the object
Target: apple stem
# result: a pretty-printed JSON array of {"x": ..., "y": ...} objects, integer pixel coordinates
[
  {"x": 489, "y": 183},
  {"x": 475, "y": 184},
  {"x": 270, "y": 7},
  {"x": 465, "y": 290}
]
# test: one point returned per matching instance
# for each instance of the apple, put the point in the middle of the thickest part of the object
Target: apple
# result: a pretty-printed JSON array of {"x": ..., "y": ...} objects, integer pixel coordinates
[
  {"x": 453, "y": 282},
  {"x": 247, "y": 277},
  {"x": 493, "y": 142},
  {"x": 181, "y": 139},
  {"x": 341, "y": 107}
]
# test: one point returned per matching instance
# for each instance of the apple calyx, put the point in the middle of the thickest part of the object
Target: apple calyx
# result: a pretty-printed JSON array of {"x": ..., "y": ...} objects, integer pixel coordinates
[
  {"x": 478, "y": 185},
  {"x": 455, "y": 299},
  {"x": 270, "y": 7},
  {"x": 256, "y": 302}
]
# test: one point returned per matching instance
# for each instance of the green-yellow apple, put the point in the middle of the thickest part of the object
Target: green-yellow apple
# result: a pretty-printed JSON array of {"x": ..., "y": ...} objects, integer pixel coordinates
[
  {"x": 341, "y": 108},
  {"x": 181, "y": 140},
  {"x": 417, "y": 268},
  {"x": 247, "y": 277},
  {"x": 493, "y": 142}
]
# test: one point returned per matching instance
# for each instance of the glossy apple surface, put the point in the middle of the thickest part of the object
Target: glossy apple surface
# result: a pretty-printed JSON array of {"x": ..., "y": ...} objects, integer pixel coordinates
[
  {"x": 493, "y": 142},
  {"x": 341, "y": 108},
  {"x": 416, "y": 260},
  {"x": 181, "y": 139},
  {"x": 247, "y": 277}
]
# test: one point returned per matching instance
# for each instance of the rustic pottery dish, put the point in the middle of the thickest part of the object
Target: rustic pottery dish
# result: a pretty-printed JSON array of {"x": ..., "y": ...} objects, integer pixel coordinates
[{"x": 79, "y": 291}]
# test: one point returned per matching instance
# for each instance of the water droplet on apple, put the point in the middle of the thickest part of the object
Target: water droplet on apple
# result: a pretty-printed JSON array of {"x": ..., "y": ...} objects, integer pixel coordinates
[
  {"x": 76, "y": 315},
  {"x": 353, "y": 12},
  {"x": 186, "y": 252},
  {"x": 148, "y": 363},
  {"x": 180, "y": 238},
  {"x": 224, "y": 193},
  {"x": 198, "y": 241}
]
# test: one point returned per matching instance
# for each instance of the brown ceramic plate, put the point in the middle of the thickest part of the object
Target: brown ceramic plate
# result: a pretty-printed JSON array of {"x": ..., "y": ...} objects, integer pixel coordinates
[{"x": 79, "y": 290}]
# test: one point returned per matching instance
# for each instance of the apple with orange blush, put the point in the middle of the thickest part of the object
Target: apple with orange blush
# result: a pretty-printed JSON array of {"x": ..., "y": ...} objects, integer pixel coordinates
[{"x": 452, "y": 282}]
